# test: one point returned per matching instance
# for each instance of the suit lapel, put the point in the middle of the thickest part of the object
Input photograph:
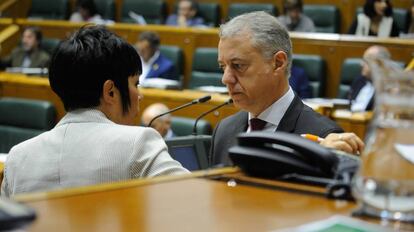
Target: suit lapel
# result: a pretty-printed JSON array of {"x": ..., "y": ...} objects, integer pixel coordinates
[{"x": 288, "y": 122}]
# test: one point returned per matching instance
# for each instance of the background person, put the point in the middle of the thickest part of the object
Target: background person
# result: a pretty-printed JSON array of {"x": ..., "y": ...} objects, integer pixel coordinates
[
  {"x": 362, "y": 89},
  {"x": 29, "y": 54},
  {"x": 376, "y": 20},
  {"x": 187, "y": 15},
  {"x": 154, "y": 64},
  {"x": 95, "y": 74},
  {"x": 294, "y": 19},
  {"x": 161, "y": 124},
  {"x": 86, "y": 12}
]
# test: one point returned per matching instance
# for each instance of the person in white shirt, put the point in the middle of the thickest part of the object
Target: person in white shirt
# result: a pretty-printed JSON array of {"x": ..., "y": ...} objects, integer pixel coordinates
[
  {"x": 95, "y": 74},
  {"x": 362, "y": 90},
  {"x": 161, "y": 124}
]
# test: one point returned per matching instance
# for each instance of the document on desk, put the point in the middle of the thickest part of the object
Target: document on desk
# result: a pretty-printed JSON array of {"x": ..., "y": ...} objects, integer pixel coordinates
[{"x": 337, "y": 223}]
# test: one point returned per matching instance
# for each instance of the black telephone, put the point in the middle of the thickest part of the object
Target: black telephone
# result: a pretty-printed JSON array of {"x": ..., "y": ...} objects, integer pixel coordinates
[
  {"x": 289, "y": 157},
  {"x": 275, "y": 154}
]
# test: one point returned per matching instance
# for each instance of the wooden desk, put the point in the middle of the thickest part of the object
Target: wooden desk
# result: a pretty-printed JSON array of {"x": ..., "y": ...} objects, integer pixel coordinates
[
  {"x": 334, "y": 48},
  {"x": 353, "y": 122},
  {"x": 19, "y": 85},
  {"x": 182, "y": 204}
]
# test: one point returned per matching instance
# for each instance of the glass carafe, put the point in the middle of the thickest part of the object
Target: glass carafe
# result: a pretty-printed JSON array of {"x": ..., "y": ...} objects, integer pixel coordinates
[{"x": 384, "y": 185}]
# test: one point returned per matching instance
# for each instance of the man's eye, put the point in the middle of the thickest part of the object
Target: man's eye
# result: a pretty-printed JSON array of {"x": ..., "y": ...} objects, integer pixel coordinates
[{"x": 239, "y": 67}]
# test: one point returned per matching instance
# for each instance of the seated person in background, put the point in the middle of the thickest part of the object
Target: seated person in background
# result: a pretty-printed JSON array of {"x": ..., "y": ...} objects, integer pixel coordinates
[
  {"x": 376, "y": 20},
  {"x": 186, "y": 16},
  {"x": 293, "y": 18},
  {"x": 255, "y": 53},
  {"x": 299, "y": 82},
  {"x": 86, "y": 12},
  {"x": 410, "y": 24},
  {"x": 95, "y": 74},
  {"x": 154, "y": 64},
  {"x": 362, "y": 90},
  {"x": 29, "y": 54},
  {"x": 161, "y": 124}
]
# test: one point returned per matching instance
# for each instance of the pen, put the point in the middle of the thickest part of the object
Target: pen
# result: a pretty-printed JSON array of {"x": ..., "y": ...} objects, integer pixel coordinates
[{"x": 312, "y": 137}]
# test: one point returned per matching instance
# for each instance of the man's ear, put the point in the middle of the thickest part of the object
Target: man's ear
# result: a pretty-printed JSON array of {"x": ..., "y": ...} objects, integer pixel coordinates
[
  {"x": 108, "y": 92},
  {"x": 280, "y": 61}
]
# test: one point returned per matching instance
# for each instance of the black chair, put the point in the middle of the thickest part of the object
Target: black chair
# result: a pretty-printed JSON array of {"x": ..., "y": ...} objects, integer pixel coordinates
[
  {"x": 106, "y": 8},
  {"x": 47, "y": 9},
  {"x": 206, "y": 71},
  {"x": 325, "y": 17},
  {"x": 153, "y": 11},
  {"x": 182, "y": 126},
  {"x": 315, "y": 69},
  {"x": 351, "y": 68},
  {"x": 176, "y": 55},
  {"x": 49, "y": 44},
  {"x": 236, "y": 9},
  {"x": 210, "y": 12},
  {"x": 22, "y": 119}
]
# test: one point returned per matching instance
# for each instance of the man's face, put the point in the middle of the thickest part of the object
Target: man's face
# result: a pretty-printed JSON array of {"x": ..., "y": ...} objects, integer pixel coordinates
[
  {"x": 145, "y": 50},
  {"x": 252, "y": 81},
  {"x": 134, "y": 97},
  {"x": 29, "y": 40},
  {"x": 294, "y": 15},
  {"x": 370, "y": 53},
  {"x": 185, "y": 10}
]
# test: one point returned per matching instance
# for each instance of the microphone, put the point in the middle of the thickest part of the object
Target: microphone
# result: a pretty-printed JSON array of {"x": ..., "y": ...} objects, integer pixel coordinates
[
  {"x": 196, "y": 101},
  {"x": 230, "y": 101}
]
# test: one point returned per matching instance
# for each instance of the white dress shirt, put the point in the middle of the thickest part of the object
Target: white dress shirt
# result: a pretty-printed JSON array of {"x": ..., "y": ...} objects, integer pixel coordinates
[{"x": 146, "y": 66}]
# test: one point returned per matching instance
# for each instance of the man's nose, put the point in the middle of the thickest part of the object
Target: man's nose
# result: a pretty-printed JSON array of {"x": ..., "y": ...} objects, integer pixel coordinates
[{"x": 228, "y": 77}]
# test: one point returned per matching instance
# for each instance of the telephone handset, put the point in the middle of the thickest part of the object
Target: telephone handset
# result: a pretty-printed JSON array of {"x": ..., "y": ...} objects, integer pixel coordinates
[{"x": 273, "y": 155}]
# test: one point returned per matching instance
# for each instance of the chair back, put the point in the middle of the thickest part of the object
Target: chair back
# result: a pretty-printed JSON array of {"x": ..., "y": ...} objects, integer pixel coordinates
[
  {"x": 105, "y": 8},
  {"x": 182, "y": 126},
  {"x": 153, "y": 11},
  {"x": 325, "y": 17},
  {"x": 236, "y": 9},
  {"x": 46, "y": 9},
  {"x": 22, "y": 119},
  {"x": 315, "y": 69},
  {"x": 206, "y": 71},
  {"x": 351, "y": 69}
]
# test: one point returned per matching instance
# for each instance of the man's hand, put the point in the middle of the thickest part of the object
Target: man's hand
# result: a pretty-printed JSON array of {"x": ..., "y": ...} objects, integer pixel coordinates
[{"x": 347, "y": 142}]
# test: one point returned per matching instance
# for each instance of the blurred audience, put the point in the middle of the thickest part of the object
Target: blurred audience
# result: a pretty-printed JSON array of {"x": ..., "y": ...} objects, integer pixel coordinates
[
  {"x": 86, "y": 12},
  {"x": 410, "y": 24},
  {"x": 362, "y": 90},
  {"x": 162, "y": 124},
  {"x": 154, "y": 64},
  {"x": 187, "y": 15},
  {"x": 294, "y": 19},
  {"x": 29, "y": 54},
  {"x": 376, "y": 20}
]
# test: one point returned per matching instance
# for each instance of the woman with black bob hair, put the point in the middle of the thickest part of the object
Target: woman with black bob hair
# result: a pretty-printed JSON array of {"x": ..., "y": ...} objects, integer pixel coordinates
[
  {"x": 376, "y": 20},
  {"x": 95, "y": 74}
]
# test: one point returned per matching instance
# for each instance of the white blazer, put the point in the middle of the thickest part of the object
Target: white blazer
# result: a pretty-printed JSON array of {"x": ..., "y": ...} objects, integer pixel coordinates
[{"x": 86, "y": 148}]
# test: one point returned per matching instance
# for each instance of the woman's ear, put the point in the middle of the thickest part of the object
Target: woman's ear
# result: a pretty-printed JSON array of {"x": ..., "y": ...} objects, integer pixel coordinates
[{"x": 108, "y": 92}]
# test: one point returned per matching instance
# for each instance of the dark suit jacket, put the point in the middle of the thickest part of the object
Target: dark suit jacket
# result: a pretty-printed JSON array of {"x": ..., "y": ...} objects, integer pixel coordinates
[
  {"x": 299, "y": 82},
  {"x": 298, "y": 119},
  {"x": 356, "y": 87},
  {"x": 163, "y": 68},
  {"x": 39, "y": 58}
]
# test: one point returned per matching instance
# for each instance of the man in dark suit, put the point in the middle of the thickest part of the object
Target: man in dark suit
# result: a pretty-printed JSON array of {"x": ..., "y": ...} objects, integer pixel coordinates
[
  {"x": 299, "y": 82},
  {"x": 29, "y": 54},
  {"x": 154, "y": 64},
  {"x": 255, "y": 54},
  {"x": 362, "y": 90}
]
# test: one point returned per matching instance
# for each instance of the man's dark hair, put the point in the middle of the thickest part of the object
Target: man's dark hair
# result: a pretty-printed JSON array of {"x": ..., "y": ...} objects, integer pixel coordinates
[
  {"x": 292, "y": 4},
  {"x": 88, "y": 5},
  {"x": 152, "y": 38},
  {"x": 36, "y": 31},
  {"x": 81, "y": 65},
  {"x": 369, "y": 8}
]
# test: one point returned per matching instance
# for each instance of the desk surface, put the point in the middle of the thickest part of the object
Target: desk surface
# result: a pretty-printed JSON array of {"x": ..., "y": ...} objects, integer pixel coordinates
[{"x": 181, "y": 204}]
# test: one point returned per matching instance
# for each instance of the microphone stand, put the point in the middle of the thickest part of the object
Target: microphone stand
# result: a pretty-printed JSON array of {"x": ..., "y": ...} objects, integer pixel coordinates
[
  {"x": 207, "y": 112},
  {"x": 200, "y": 100}
]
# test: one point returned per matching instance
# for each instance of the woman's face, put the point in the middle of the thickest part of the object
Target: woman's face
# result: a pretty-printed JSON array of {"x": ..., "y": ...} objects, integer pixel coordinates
[{"x": 380, "y": 6}]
